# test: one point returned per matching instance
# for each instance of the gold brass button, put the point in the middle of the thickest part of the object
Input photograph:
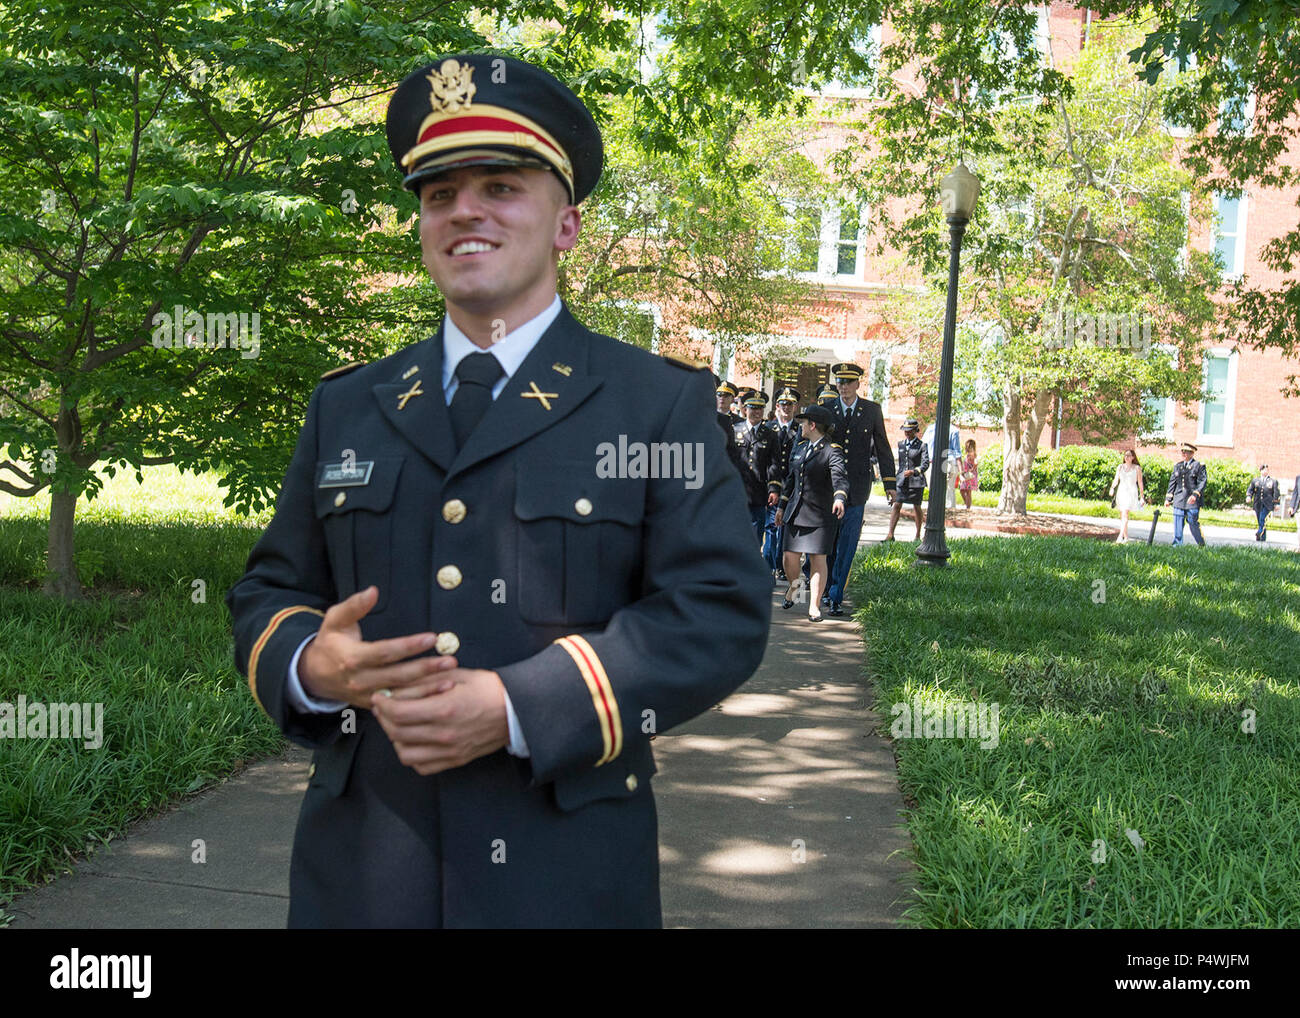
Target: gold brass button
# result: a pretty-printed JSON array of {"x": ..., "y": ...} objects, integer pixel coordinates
[
  {"x": 453, "y": 511},
  {"x": 340, "y": 498},
  {"x": 449, "y": 577},
  {"x": 447, "y": 643},
  {"x": 631, "y": 782},
  {"x": 311, "y": 771},
  {"x": 583, "y": 506}
]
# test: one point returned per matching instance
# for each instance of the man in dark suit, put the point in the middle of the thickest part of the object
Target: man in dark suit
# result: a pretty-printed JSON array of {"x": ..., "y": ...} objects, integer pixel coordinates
[
  {"x": 1263, "y": 494},
  {"x": 860, "y": 429},
  {"x": 785, "y": 436},
  {"x": 754, "y": 440},
  {"x": 501, "y": 560},
  {"x": 1186, "y": 491}
]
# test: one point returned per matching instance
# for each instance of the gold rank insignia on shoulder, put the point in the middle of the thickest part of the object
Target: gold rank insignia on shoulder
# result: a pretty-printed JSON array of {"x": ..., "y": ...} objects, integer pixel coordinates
[
  {"x": 563, "y": 369},
  {"x": 341, "y": 370}
]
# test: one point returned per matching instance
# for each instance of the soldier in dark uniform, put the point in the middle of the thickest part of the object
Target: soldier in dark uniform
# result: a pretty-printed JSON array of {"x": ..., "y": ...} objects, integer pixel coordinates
[
  {"x": 754, "y": 440},
  {"x": 815, "y": 492},
  {"x": 785, "y": 435},
  {"x": 913, "y": 462},
  {"x": 475, "y": 602},
  {"x": 1186, "y": 490},
  {"x": 1263, "y": 494},
  {"x": 726, "y": 393},
  {"x": 828, "y": 396},
  {"x": 860, "y": 429}
]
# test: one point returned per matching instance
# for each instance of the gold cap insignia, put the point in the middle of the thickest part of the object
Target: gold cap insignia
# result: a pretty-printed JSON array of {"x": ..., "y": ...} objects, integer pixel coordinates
[{"x": 451, "y": 88}]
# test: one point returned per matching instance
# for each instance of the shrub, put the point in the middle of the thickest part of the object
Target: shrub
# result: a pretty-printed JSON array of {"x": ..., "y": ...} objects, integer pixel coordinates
[
  {"x": 1225, "y": 483},
  {"x": 990, "y": 463},
  {"x": 1082, "y": 471},
  {"x": 1155, "y": 477}
]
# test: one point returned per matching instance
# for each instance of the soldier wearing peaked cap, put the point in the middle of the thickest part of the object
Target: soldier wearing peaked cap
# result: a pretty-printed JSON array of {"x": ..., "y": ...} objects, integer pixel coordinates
[
  {"x": 754, "y": 439},
  {"x": 785, "y": 436},
  {"x": 828, "y": 395},
  {"x": 1186, "y": 490},
  {"x": 475, "y": 616},
  {"x": 812, "y": 500},
  {"x": 860, "y": 429}
]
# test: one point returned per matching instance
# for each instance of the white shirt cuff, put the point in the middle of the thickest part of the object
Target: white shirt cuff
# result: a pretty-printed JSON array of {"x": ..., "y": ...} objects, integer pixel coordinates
[
  {"x": 518, "y": 746},
  {"x": 297, "y": 696}
]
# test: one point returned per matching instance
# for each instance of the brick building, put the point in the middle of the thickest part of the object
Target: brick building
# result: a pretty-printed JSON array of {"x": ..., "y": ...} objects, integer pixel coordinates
[{"x": 1243, "y": 415}]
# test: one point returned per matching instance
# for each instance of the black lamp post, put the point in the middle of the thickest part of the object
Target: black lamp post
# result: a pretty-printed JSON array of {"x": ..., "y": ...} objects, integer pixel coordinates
[{"x": 959, "y": 189}]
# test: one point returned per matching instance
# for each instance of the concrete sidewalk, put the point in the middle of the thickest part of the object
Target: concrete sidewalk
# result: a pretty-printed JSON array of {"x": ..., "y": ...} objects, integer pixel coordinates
[{"x": 784, "y": 770}]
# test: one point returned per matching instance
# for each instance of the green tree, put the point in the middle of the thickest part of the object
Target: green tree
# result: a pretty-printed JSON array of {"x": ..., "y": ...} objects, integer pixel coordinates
[
  {"x": 1080, "y": 221},
  {"x": 190, "y": 161},
  {"x": 1239, "y": 91}
]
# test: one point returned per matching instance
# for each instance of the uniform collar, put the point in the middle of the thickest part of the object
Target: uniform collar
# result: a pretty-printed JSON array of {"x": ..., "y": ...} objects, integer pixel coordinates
[{"x": 510, "y": 350}]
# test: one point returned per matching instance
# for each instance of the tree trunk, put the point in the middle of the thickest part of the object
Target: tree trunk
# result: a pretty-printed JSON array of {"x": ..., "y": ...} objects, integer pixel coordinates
[
  {"x": 1019, "y": 450},
  {"x": 61, "y": 572}
]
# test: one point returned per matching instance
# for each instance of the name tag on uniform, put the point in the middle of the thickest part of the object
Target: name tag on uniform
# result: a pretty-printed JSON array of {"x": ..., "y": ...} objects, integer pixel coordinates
[{"x": 345, "y": 475}]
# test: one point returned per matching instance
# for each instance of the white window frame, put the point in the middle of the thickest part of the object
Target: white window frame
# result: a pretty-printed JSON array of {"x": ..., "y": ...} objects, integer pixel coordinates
[
  {"x": 989, "y": 332},
  {"x": 828, "y": 247},
  {"x": 1229, "y": 397},
  {"x": 650, "y": 308},
  {"x": 871, "y": 374},
  {"x": 1247, "y": 111},
  {"x": 1167, "y": 433},
  {"x": 1234, "y": 271}
]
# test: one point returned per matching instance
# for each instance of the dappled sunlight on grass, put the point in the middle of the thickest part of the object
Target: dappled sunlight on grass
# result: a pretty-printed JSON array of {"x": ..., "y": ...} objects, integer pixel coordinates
[{"x": 1150, "y": 691}]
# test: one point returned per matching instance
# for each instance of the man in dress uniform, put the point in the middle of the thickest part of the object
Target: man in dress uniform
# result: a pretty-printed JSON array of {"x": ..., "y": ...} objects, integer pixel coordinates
[
  {"x": 1263, "y": 494},
  {"x": 828, "y": 396},
  {"x": 1186, "y": 490},
  {"x": 754, "y": 440},
  {"x": 785, "y": 436},
  {"x": 471, "y": 603},
  {"x": 726, "y": 393},
  {"x": 860, "y": 429}
]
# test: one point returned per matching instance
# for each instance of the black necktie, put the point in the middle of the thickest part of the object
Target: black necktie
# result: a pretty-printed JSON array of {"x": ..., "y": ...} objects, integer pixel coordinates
[{"x": 476, "y": 373}]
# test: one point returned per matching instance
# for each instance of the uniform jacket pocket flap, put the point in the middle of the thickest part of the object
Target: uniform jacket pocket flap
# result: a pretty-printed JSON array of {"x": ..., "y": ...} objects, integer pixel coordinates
[
  {"x": 618, "y": 779},
  {"x": 376, "y": 495},
  {"x": 332, "y": 764},
  {"x": 572, "y": 491}
]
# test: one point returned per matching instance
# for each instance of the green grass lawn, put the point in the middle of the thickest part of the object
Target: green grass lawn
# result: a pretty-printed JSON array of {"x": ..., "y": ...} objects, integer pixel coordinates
[
  {"x": 1122, "y": 675},
  {"x": 147, "y": 643}
]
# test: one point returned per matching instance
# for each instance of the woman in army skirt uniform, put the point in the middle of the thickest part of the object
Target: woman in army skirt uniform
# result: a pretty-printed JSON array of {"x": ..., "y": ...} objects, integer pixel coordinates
[{"x": 816, "y": 490}]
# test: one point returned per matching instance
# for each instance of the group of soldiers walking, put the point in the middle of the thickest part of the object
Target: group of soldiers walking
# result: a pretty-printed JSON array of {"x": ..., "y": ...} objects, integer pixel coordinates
[{"x": 765, "y": 450}]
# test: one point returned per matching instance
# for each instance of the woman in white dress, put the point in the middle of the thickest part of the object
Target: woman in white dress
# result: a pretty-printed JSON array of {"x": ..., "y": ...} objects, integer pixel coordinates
[{"x": 1128, "y": 489}]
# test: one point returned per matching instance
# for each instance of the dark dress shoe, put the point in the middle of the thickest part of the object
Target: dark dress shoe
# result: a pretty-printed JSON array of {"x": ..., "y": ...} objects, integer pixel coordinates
[
  {"x": 787, "y": 604},
  {"x": 836, "y": 610},
  {"x": 815, "y": 618}
]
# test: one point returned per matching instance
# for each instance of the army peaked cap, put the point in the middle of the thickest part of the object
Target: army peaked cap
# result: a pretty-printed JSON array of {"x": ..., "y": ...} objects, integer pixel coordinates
[{"x": 483, "y": 109}]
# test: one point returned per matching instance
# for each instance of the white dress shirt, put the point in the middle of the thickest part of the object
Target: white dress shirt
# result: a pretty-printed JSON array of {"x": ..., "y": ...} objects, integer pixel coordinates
[{"x": 510, "y": 351}]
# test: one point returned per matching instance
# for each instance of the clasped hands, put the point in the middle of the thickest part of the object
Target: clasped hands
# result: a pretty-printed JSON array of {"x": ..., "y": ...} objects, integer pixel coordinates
[{"x": 437, "y": 714}]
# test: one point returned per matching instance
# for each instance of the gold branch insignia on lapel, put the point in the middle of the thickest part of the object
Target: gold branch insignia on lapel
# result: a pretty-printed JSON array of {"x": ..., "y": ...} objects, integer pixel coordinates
[
  {"x": 542, "y": 397},
  {"x": 563, "y": 369},
  {"x": 405, "y": 397},
  {"x": 408, "y": 373}
]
